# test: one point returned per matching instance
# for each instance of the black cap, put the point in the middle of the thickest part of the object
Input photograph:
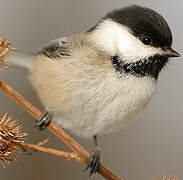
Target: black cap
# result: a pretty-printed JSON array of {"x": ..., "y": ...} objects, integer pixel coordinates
[{"x": 143, "y": 21}]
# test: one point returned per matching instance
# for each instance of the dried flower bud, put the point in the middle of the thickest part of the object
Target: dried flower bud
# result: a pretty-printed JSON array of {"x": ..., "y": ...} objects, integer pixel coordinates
[
  {"x": 5, "y": 47},
  {"x": 11, "y": 136},
  {"x": 169, "y": 177}
]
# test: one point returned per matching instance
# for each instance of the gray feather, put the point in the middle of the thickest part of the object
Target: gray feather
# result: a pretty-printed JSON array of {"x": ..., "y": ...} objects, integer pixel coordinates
[{"x": 20, "y": 59}]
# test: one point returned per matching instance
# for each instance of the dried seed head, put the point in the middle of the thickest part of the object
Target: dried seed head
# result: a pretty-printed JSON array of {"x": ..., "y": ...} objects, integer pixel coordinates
[
  {"x": 169, "y": 177},
  {"x": 5, "y": 47},
  {"x": 11, "y": 136}
]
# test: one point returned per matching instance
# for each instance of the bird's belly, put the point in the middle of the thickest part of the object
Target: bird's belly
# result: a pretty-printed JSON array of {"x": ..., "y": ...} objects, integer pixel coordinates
[
  {"x": 88, "y": 106},
  {"x": 105, "y": 112}
]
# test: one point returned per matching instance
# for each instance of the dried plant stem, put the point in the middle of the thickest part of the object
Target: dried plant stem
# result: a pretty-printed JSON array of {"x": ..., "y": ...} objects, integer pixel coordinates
[
  {"x": 57, "y": 131},
  {"x": 65, "y": 155}
]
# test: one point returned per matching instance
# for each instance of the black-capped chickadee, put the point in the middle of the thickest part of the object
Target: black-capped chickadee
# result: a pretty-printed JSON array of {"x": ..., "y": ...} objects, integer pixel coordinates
[{"x": 98, "y": 81}]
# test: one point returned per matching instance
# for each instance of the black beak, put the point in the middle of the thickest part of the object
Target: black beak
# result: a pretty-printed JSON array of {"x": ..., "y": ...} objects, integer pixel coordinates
[{"x": 171, "y": 53}]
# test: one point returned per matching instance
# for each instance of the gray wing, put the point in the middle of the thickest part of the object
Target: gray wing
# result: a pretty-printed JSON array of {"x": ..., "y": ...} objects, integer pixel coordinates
[{"x": 56, "y": 49}]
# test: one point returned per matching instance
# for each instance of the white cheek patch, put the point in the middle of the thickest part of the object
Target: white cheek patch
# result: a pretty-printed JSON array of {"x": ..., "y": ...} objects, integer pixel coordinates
[
  {"x": 116, "y": 39},
  {"x": 104, "y": 37}
]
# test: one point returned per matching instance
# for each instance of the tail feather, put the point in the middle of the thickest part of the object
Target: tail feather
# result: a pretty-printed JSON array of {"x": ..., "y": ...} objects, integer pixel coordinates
[{"x": 19, "y": 59}]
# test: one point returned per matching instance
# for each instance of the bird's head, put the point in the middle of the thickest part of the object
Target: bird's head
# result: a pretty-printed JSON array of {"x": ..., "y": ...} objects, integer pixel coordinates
[{"x": 134, "y": 35}]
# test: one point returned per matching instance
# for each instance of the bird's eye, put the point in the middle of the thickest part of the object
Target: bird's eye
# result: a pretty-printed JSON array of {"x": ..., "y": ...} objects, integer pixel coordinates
[{"x": 146, "y": 40}]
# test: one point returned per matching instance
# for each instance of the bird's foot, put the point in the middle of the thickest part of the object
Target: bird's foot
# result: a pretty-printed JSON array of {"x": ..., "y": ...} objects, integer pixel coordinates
[
  {"x": 94, "y": 161},
  {"x": 45, "y": 120}
]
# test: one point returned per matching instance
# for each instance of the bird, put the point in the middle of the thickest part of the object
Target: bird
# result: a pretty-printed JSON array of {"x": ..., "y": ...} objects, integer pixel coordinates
[{"x": 98, "y": 81}]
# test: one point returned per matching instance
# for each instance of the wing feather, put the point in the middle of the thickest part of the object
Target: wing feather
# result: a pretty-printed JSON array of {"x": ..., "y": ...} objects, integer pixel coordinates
[{"x": 56, "y": 49}]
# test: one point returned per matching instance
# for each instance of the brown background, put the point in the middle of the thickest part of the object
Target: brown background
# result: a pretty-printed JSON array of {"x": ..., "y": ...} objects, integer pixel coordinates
[{"x": 151, "y": 146}]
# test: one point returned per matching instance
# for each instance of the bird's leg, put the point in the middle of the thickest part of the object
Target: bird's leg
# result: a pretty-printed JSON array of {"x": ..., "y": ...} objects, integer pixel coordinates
[
  {"x": 94, "y": 161},
  {"x": 45, "y": 120}
]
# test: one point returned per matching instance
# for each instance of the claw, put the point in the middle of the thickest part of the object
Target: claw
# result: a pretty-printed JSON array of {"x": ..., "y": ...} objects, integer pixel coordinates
[
  {"x": 45, "y": 120},
  {"x": 94, "y": 162}
]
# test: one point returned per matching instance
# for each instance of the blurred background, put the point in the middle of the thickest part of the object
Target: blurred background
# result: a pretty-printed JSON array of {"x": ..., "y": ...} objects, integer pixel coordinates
[{"x": 152, "y": 146}]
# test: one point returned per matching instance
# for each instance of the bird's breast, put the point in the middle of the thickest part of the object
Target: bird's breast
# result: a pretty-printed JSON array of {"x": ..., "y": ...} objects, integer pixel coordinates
[{"x": 88, "y": 99}]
